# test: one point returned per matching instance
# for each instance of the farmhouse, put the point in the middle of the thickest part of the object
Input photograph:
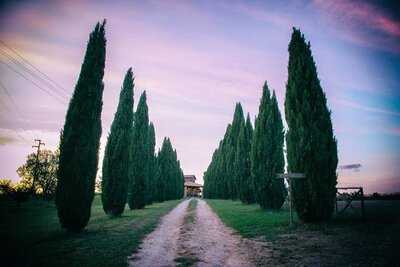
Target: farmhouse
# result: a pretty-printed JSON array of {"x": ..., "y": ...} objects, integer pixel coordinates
[{"x": 192, "y": 189}]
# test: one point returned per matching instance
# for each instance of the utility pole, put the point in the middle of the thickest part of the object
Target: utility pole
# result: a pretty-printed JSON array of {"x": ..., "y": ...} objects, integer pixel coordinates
[{"x": 37, "y": 145}]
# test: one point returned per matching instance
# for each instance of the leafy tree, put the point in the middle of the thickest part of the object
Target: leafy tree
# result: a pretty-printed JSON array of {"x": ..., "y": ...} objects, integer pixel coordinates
[
  {"x": 116, "y": 156},
  {"x": 45, "y": 168},
  {"x": 267, "y": 153},
  {"x": 80, "y": 139},
  {"x": 139, "y": 157},
  {"x": 5, "y": 185},
  {"x": 18, "y": 192},
  {"x": 311, "y": 145}
]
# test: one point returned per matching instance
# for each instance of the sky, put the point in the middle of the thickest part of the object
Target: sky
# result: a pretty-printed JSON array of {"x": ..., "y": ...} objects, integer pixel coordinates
[{"x": 196, "y": 59}]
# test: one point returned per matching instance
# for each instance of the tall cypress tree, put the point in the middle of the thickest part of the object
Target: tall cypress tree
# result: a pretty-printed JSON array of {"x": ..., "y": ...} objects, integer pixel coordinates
[
  {"x": 170, "y": 178},
  {"x": 80, "y": 139},
  {"x": 243, "y": 163},
  {"x": 277, "y": 157},
  {"x": 265, "y": 149},
  {"x": 311, "y": 145},
  {"x": 230, "y": 151},
  {"x": 152, "y": 165},
  {"x": 159, "y": 181},
  {"x": 116, "y": 157},
  {"x": 139, "y": 156}
]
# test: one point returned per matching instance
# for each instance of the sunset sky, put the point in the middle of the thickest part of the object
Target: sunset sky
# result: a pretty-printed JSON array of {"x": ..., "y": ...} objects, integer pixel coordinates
[{"x": 196, "y": 59}]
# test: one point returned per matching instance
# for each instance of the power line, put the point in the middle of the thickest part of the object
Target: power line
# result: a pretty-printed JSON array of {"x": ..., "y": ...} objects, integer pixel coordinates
[
  {"x": 32, "y": 73},
  {"x": 58, "y": 98},
  {"x": 33, "y": 66},
  {"x": 17, "y": 111}
]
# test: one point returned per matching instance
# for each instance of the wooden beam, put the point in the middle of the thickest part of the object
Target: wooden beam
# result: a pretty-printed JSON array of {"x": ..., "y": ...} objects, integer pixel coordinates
[{"x": 291, "y": 175}]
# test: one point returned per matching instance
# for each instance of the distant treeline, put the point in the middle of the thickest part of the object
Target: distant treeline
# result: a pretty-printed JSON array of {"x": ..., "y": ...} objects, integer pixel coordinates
[
  {"x": 246, "y": 163},
  {"x": 132, "y": 173}
]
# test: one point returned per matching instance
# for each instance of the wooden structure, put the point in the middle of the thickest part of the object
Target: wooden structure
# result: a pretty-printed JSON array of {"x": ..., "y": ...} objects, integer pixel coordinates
[
  {"x": 289, "y": 177},
  {"x": 192, "y": 189},
  {"x": 349, "y": 198}
]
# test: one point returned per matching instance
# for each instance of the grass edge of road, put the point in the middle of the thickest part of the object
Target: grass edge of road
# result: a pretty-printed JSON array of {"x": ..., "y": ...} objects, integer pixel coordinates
[
  {"x": 342, "y": 241},
  {"x": 33, "y": 235},
  {"x": 250, "y": 220}
]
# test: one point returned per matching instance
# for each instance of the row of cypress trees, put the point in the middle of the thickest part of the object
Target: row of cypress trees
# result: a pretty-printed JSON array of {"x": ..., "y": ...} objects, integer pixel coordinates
[
  {"x": 244, "y": 165},
  {"x": 132, "y": 172},
  {"x": 311, "y": 146}
]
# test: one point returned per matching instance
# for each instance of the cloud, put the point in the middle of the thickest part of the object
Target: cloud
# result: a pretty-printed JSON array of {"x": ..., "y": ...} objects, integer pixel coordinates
[
  {"x": 355, "y": 167},
  {"x": 392, "y": 131},
  {"x": 355, "y": 105},
  {"x": 259, "y": 12},
  {"x": 4, "y": 140},
  {"x": 364, "y": 23}
]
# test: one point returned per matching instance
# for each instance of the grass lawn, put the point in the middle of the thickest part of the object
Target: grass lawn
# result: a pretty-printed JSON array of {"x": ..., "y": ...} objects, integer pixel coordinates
[
  {"x": 343, "y": 241},
  {"x": 250, "y": 220},
  {"x": 31, "y": 235}
]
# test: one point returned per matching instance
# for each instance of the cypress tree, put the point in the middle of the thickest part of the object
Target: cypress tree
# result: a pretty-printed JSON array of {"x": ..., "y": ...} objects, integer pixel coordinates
[
  {"x": 165, "y": 167},
  {"x": 159, "y": 180},
  {"x": 265, "y": 151},
  {"x": 152, "y": 168},
  {"x": 80, "y": 139},
  {"x": 279, "y": 191},
  {"x": 138, "y": 171},
  {"x": 231, "y": 148},
  {"x": 311, "y": 145},
  {"x": 116, "y": 157},
  {"x": 170, "y": 179},
  {"x": 243, "y": 163}
]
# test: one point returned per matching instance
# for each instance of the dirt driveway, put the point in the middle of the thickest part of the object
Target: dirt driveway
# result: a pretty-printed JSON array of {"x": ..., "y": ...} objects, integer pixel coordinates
[{"x": 193, "y": 235}]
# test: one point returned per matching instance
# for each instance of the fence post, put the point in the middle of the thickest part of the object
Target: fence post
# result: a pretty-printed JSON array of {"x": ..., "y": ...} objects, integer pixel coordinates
[{"x": 362, "y": 203}]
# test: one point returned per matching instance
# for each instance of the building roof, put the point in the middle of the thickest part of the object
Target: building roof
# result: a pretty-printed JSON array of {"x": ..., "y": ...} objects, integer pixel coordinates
[
  {"x": 193, "y": 184},
  {"x": 190, "y": 176}
]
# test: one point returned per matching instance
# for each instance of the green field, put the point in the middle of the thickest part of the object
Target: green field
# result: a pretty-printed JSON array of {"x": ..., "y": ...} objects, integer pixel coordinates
[
  {"x": 31, "y": 235},
  {"x": 346, "y": 240}
]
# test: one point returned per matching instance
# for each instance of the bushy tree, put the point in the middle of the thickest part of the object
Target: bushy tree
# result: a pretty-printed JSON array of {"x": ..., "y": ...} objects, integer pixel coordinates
[
  {"x": 116, "y": 157},
  {"x": 267, "y": 153},
  {"x": 19, "y": 192},
  {"x": 80, "y": 138},
  {"x": 45, "y": 168},
  {"x": 311, "y": 145},
  {"x": 138, "y": 170}
]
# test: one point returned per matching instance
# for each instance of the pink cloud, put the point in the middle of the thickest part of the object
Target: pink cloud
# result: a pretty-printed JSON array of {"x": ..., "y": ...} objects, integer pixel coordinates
[
  {"x": 260, "y": 13},
  {"x": 362, "y": 12},
  {"x": 355, "y": 105},
  {"x": 358, "y": 18}
]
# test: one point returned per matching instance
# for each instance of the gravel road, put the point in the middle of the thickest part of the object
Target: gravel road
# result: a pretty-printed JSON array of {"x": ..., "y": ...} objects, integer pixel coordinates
[{"x": 207, "y": 240}]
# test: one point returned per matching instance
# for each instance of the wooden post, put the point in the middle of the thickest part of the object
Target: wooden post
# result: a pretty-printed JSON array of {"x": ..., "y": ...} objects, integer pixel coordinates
[
  {"x": 289, "y": 177},
  {"x": 290, "y": 202},
  {"x": 362, "y": 203}
]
